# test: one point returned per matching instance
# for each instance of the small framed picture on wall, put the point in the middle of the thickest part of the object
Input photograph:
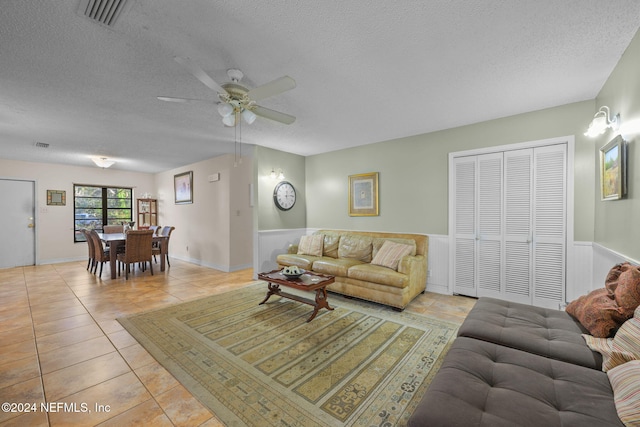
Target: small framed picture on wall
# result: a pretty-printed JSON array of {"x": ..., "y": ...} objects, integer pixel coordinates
[
  {"x": 613, "y": 169},
  {"x": 363, "y": 194},
  {"x": 183, "y": 186}
]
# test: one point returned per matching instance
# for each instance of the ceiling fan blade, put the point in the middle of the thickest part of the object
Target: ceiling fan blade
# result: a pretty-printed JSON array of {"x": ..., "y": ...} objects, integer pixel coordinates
[
  {"x": 275, "y": 87},
  {"x": 273, "y": 115},
  {"x": 181, "y": 100},
  {"x": 200, "y": 74}
]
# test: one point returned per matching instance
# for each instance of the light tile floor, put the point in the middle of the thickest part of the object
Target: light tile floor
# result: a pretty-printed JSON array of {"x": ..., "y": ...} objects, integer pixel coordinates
[{"x": 61, "y": 346}]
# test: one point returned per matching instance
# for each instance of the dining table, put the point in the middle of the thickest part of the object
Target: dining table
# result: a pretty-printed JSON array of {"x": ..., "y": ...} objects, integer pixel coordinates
[{"x": 115, "y": 240}]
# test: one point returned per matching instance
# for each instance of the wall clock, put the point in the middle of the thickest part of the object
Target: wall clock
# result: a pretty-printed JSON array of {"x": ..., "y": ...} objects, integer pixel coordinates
[{"x": 284, "y": 196}]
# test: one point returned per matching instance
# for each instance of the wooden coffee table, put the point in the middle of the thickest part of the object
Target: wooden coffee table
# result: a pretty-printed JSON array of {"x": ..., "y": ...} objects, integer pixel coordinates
[{"x": 308, "y": 281}]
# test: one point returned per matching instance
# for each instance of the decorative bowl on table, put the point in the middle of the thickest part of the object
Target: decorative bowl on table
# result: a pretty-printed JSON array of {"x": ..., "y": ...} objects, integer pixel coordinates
[{"x": 292, "y": 272}]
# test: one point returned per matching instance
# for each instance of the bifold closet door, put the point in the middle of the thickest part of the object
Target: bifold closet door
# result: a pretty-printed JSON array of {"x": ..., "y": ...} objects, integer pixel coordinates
[
  {"x": 478, "y": 207},
  {"x": 549, "y": 225},
  {"x": 509, "y": 217}
]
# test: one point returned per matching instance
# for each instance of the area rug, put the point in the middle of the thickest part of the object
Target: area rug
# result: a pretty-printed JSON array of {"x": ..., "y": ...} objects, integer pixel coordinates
[{"x": 263, "y": 365}]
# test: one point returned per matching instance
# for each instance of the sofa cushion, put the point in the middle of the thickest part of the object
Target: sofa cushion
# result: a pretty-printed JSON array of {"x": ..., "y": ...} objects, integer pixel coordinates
[
  {"x": 302, "y": 261},
  {"x": 624, "y": 382},
  {"x": 334, "y": 266},
  {"x": 330, "y": 247},
  {"x": 311, "y": 245},
  {"x": 355, "y": 247},
  {"x": 485, "y": 384},
  {"x": 598, "y": 312},
  {"x": 546, "y": 332},
  {"x": 390, "y": 254},
  {"x": 622, "y": 348},
  {"x": 378, "y": 274}
]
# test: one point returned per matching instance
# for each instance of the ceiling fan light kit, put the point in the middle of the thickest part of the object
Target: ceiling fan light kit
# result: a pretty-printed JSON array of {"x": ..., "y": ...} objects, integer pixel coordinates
[{"x": 235, "y": 99}]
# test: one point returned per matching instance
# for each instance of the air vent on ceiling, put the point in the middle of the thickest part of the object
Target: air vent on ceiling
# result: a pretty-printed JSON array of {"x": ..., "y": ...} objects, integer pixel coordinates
[
  {"x": 104, "y": 12},
  {"x": 42, "y": 144}
]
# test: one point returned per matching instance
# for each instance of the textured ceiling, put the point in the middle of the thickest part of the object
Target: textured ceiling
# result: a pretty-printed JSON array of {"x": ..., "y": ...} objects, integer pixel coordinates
[{"x": 366, "y": 71}]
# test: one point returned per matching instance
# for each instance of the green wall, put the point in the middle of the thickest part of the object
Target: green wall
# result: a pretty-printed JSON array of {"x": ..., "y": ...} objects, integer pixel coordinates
[
  {"x": 616, "y": 222},
  {"x": 267, "y": 216},
  {"x": 414, "y": 172}
]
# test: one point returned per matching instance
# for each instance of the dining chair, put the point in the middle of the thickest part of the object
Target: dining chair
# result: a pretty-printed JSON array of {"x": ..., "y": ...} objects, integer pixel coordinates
[
  {"x": 137, "y": 248},
  {"x": 85, "y": 233},
  {"x": 110, "y": 229},
  {"x": 100, "y": 254},
  {"x": 156, "y": 228},
  {"x": 166, "y": 231}
]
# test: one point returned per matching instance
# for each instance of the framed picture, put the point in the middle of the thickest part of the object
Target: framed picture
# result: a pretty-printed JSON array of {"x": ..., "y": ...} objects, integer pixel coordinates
[
  {"x": 183, "y": 186},
  {"x": 56, "y": 197},
  {"x": 363, "y": 194},
  {"x": 613, "y": 169}
]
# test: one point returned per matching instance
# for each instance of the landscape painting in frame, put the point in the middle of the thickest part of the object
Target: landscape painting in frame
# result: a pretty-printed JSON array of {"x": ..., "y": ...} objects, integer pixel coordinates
[
  {"x": 183, "y": 186},
  {"x": 363, "y": 194},
  {"x": 613, "y": 169}
]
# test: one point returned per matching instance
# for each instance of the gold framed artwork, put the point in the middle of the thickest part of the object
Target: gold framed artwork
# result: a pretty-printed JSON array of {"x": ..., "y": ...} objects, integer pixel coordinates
[
  {"x": 56, "y": 197},
  {"x": 183, "y": 187},
  {"x": 613, "y": 169},
  {"x": 363, "y": 194}
]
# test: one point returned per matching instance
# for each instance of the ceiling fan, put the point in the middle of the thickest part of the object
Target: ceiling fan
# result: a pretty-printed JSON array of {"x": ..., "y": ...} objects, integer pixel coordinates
[{"x": 235, "y": 99}]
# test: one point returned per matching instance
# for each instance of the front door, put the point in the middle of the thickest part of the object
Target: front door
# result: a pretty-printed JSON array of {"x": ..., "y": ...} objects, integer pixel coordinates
[{"x": 17, "y": 215}]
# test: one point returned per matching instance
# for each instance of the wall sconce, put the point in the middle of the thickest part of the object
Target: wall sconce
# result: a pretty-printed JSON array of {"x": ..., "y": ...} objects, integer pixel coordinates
[
  {"x": 279, "y": 175},
  {"x": 103, "y": 162},
  {"x": 602, "y": 121}
]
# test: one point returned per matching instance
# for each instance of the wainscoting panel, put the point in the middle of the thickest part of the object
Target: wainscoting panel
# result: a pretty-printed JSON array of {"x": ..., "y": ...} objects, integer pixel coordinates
[
  {"x": 271, "y": 243},
  {"x": 581, "y": 282},
  {"x": 438, "y": 264},
  {"x": 603, "y": 260}
]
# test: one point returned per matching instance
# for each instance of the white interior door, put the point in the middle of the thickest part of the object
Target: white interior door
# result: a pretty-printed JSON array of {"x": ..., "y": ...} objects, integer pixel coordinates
[{"x": 17, "y": 213}]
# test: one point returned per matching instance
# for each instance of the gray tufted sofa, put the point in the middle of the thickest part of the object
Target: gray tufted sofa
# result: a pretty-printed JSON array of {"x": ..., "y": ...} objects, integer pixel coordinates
[{"x": 518, "y": 365}]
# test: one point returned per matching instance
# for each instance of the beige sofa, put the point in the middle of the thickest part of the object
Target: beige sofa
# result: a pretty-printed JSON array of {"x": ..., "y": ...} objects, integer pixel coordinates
[{"x": 348, "y": 256}]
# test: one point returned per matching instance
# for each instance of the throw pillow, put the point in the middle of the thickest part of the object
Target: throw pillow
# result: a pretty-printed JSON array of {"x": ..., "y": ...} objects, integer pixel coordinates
[
  {"x": 597, "y": 312},
  {"x": 611, "y": 281},
  {"x": 627, "y": 293},
  {"x": 390, "y": 254},
  {"x": 622, "y": 348},
  {"x": 311, "y": 245},
  {"x": 624, "y": 381}
]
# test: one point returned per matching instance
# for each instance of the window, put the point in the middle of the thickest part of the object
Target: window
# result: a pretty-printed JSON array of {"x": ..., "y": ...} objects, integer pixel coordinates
[{"x": 98, "y": 206}]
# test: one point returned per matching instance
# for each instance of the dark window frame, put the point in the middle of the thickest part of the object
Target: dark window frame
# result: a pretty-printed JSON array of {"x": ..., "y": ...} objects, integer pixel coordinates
[{"x": 98, "y": 205}]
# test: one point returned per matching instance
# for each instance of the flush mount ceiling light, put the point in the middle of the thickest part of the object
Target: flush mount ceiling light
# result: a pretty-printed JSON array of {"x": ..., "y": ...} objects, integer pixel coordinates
[
  {"x": 103, "y": 162},
  {"x": 602, "y": 121}
]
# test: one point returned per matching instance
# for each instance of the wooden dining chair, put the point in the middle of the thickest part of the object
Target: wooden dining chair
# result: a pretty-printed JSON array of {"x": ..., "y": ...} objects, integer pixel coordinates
[
  {"x": 137, "y": 248},
  {"x": 166, "y": 231},
  {"x": 110, "y": 229},
  {"x": 100, "y": 253},
  {"x": 156, "y": 228},
  {"x": 85, "y": 233}
]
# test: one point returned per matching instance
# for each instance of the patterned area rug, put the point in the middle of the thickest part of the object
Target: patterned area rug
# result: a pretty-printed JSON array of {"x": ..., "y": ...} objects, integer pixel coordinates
[{"x": 263, "y": 365}]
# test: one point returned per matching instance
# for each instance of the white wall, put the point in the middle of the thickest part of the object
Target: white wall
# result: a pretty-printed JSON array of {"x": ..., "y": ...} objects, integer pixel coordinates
[
  {"x": 216, "y": 230},
  {"x": 54, "y": 224}
]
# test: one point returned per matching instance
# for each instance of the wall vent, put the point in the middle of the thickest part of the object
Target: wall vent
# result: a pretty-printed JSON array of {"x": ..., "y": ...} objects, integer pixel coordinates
[
  {"x": 42, "y": 144},
  {"x": 104, "y": 12}
]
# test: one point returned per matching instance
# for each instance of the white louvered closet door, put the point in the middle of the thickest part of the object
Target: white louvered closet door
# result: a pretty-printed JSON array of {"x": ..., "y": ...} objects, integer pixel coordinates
[
  {"x": 549, "y": 225},
  {"x": 489, "y": 237},
  {"x": 510, "y": 221},
  {"x": 518, "y": 234},
  {"x": 464, "y": 222}
]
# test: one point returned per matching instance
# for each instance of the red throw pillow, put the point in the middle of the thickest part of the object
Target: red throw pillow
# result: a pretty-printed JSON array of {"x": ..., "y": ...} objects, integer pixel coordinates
[
  {"x": 627, "y": 293},
  {"x": 598, "y": 312},
  {"x": 611, "y": 282}
]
